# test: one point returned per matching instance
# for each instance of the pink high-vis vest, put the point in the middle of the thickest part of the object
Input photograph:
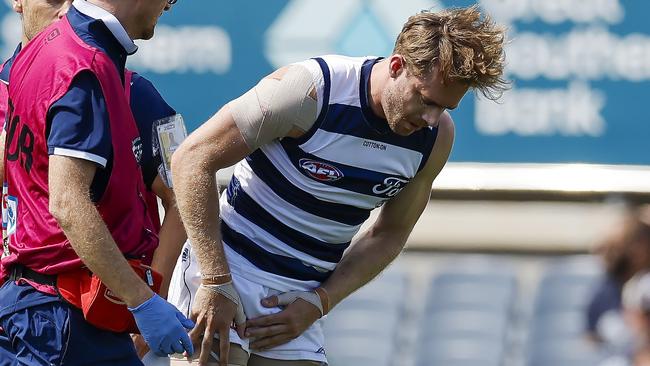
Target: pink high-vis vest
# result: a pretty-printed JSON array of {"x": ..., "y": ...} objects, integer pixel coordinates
[
  {"x": 41, "y": 74},
  {"x": 4, "y": 96}
]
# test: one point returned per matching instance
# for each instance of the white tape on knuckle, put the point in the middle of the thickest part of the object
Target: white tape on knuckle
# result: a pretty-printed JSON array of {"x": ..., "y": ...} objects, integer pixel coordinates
[
  {"x": 286, "y": 298},
  {"x": 309, "y": 296}
]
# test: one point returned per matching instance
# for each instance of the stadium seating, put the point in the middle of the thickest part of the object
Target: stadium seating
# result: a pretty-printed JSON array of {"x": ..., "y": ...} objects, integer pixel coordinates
[
  {"x": 361, "y": 329},
  {"x": 558, "y": 320},
  {"x": 471, "y": 312}
]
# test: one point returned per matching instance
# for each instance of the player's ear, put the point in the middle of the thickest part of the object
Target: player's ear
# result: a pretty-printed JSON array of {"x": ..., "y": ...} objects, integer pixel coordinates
[{"x": 396, "y": 65}]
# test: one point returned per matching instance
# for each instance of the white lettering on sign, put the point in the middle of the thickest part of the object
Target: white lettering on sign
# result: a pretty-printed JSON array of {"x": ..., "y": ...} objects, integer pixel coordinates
[
  {"x": 183, "y": 49},
  {"x": 587, "y": 54},
  {"x": 556, "y": 11},
  {"x": 575, "y": 111}
]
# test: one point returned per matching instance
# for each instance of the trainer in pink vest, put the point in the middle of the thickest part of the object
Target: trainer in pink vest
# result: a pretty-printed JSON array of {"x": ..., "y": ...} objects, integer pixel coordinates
[
  {"x": 42, "y": 74},
  {"x": 4, "y": 95}
]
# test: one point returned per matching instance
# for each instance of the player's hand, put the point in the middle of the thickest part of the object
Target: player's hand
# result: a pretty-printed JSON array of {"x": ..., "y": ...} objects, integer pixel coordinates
[
  {"x": 301, "y": 310},
  {"x": 141, "y": 347},
  {"x": 216, "y": 309},
  {"x": 163, "y": 327}
]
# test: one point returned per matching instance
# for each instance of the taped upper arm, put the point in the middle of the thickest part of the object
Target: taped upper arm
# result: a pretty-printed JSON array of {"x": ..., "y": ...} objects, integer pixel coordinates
[{"x": 279, "y": 104}]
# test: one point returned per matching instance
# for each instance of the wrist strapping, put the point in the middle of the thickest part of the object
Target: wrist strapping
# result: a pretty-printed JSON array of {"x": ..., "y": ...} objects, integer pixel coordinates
[
  {"x": 227, "y": 290},
  {"x": 324, "y": 299}
]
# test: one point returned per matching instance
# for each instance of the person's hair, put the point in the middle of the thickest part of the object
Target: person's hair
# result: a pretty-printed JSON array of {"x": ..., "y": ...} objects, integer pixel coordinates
[{"x": 461, "y": 43}]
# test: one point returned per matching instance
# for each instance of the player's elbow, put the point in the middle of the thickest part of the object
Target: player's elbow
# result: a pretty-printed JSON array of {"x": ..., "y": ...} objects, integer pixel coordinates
[
  {"x": 186, "y": 159},
  {"x": 393, "y": 239}
]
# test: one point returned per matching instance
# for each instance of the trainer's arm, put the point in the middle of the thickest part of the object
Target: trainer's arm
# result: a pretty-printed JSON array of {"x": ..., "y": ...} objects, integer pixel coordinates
[
  {"x": 71, "y": 206},
  {"x": 376, "y": 248},
  {"x": 162, "y": 325},
  {"x": 172, "y": 235}
]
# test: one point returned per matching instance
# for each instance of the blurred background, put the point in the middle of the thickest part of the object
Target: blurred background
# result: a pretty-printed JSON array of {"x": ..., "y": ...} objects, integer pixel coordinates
[{"x": 534, "y": 227}]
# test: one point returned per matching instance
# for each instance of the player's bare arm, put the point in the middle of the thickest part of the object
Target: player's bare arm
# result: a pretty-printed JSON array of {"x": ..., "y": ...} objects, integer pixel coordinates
[
  {"x": 373, "y": 251},
  {"x": 215, "y": 145},
  {"x": 229, "y": 136},
  {"x": 70, "y": 204},
  {"x": 379, "y": 245},
  {"x": 172, "y": 235}
]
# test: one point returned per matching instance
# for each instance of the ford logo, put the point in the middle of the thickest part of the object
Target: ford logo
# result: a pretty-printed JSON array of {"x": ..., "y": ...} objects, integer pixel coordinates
[{"x": 320, "y": 171}]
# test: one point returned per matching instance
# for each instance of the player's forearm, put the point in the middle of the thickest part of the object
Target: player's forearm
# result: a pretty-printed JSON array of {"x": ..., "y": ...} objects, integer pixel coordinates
[
  {"x": 367, "y": 257},
  {"x": 197, "y": 199},
  {"x": 172, "y": 236},
  {"x": 93, "y": 243}
]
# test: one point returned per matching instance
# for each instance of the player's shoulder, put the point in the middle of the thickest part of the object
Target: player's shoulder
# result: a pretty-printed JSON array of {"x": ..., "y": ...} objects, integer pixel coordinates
[
  {"x": 444, "y": 141},
  {"x": 445, "y": 135},
  {"x": 446, "y": 126},
  {"x": 342, "y": 75},
  {"x": 334, "y": 64},
  {"x": 346, "y": 62}
]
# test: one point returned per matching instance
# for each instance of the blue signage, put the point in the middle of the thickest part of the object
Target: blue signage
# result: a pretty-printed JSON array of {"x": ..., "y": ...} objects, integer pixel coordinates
[{"x": 580, "y": 69}]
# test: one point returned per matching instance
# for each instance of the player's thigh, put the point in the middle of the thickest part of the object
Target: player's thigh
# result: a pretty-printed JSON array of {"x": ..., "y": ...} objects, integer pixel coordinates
[
  {"x": 236, "y": 357},
  {"x": 256, "y": 360}
]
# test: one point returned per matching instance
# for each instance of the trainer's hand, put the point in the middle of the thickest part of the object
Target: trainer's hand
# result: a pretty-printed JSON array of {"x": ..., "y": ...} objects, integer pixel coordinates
[
  {"x": 216, "y": 309},
  {"x": 301, "y": 311},
  {"x": 163, "y": 327}
]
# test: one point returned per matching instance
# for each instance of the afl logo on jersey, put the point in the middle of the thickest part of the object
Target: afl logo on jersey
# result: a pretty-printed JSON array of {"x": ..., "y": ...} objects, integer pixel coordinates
[{"x": 320, "y": 171}]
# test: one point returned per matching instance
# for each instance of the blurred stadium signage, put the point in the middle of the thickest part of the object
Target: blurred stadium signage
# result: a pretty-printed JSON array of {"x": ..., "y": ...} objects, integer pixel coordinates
[
  {"x": 580, "y": 68},
  {"x": 581, "y": 72}
]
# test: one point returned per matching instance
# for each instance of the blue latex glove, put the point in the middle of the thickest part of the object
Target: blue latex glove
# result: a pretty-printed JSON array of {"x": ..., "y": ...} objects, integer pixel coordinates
[{"x": 163, "y": 327}]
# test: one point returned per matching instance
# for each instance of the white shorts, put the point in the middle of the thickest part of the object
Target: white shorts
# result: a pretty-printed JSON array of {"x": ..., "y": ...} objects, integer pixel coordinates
[
  {"x": 150, "y": 359},
  {"x": 187, "y": 278}
]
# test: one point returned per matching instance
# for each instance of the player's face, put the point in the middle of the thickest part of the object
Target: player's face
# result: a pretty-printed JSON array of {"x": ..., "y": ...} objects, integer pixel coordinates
[
  {"x": 411, "y": 103},
  {"x": 151, "y": 10},
  {"x": 38, "y": 14}
]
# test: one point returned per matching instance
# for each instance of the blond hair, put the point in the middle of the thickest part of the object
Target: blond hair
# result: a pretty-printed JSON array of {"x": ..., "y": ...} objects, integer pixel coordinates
[{"x": 461, "y": 43}]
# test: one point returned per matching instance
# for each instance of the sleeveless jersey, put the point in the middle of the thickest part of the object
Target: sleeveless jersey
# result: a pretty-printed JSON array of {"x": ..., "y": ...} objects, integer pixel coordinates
[
  {"x": 41, "y": 74},
  {"x": 293, "y": 206}
]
